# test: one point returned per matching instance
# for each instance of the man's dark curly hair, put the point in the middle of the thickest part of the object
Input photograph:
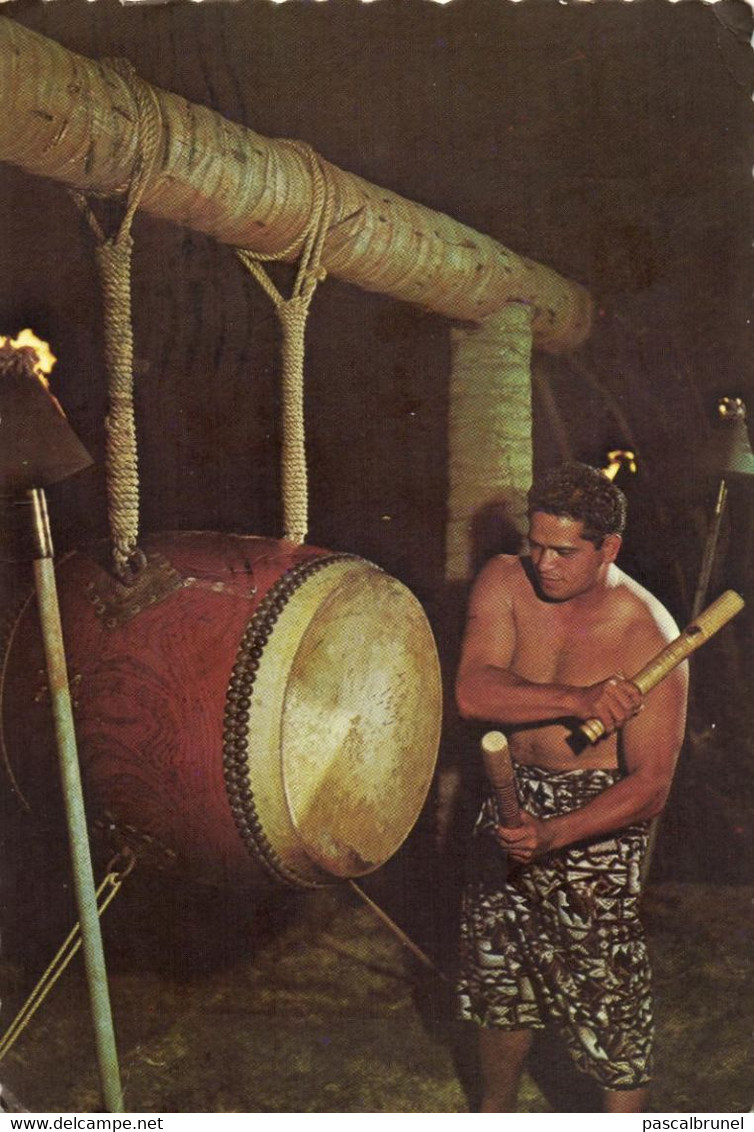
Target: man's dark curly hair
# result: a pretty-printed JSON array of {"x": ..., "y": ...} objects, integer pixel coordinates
[{"x": 578, "y": 491}]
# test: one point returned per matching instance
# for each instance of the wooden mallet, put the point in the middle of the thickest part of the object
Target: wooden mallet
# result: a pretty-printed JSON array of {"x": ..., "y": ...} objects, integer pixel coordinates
[
  {"x": 700, "y": 630},
  {"x": 499, "y": 768}
]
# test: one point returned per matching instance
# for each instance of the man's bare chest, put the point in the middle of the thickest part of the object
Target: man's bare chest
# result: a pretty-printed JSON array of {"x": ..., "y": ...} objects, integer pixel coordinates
[{"x": 554, "y": 647}]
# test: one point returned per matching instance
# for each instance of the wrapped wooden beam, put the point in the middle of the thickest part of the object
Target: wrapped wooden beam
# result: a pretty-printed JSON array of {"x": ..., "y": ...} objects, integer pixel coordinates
[{"x": 75, "y": 120}]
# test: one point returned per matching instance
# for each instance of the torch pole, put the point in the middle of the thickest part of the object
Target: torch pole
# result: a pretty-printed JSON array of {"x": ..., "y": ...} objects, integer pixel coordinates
[
  {"x": 710, "y": 549},
  {"x": 83, "y": 877}
]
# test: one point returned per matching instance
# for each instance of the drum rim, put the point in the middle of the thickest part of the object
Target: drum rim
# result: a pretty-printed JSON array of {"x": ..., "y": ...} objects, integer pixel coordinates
[
  {"x": 239, "y": 696},
  {"x": 267, "y": 825}
]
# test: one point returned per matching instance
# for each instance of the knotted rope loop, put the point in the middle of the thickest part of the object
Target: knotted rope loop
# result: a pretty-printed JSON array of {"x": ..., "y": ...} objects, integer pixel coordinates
[
  {"x": 292, "y": 314},
  {"x": 113, "y": 255}
]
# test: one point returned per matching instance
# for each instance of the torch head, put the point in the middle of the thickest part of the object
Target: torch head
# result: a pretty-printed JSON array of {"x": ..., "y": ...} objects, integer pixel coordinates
[{"x": 38, "y": 447}]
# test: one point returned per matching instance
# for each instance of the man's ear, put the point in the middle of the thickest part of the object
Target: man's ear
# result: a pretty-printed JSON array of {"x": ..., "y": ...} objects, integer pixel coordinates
[{"x": 611, "y": 546}]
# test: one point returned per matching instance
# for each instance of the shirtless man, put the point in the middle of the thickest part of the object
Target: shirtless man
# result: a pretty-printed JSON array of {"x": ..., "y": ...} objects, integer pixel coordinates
[{"x": 558, "y": 940}]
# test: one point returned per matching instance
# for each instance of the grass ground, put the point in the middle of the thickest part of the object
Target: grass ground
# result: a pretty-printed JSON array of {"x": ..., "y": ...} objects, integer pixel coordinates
[{"x": 307, "y": 1003}]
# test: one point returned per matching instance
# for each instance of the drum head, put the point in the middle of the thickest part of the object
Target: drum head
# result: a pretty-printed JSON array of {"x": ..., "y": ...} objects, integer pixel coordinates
[{"x": 344, "y": 720}]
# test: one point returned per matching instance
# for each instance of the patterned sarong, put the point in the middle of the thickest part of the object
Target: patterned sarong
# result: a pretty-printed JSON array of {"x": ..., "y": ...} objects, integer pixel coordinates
[{"x": 559, "y": 941}]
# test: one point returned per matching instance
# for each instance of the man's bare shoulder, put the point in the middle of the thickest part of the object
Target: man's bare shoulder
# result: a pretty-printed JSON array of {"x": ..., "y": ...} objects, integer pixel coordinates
[
  {"x": 503, "y": 572},
  {"x": 640, "y": 611},
  {"x": 498, "y": 587}
]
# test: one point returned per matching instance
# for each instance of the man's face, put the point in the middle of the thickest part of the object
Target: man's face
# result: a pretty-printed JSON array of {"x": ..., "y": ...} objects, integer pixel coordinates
[{"x": 566, "y": 564}]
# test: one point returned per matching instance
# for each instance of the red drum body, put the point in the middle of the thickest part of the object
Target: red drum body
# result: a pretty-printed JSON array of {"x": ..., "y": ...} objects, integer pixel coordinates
[{"x": 248, "y": 710}]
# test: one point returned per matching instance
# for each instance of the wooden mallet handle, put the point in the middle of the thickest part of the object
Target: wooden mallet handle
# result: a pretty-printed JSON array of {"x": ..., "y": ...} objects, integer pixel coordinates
[
  {"x": 706, "y": 625},
  {"x": 499, "y": 768}
]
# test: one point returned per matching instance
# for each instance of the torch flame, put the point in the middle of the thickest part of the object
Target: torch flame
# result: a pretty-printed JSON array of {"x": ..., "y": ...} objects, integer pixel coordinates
[
  {"x": 618, "y": 459},
  {"x": 27, "y": 339},
  {"x": 731, "y": 407}
]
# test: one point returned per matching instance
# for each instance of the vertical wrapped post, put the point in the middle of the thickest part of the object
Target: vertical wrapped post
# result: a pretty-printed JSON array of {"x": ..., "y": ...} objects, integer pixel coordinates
[{"x": 490, "y": 428}]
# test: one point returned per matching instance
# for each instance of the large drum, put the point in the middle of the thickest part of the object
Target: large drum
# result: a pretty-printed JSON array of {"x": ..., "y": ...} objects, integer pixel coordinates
[{"x": 247, "y": 710}]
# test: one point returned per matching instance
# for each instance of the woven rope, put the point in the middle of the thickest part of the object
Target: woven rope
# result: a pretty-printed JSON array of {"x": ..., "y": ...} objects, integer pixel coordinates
[
  {"x": 292, "y": 314},
  {"x": 113, "y": 255}
]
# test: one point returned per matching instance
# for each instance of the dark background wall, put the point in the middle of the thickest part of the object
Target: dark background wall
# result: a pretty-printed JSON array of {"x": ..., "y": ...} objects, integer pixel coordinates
[{"x": 611, "y": 141}]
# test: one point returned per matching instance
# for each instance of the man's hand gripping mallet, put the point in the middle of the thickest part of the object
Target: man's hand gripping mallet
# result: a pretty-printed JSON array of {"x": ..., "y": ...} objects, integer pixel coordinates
[{"x": 693, "y": 636}]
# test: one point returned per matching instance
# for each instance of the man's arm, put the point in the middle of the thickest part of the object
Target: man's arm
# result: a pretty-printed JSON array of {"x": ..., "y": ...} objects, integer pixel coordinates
[
  {"x": 487, "y": 689},
  {"x": 651, "y": 742}
]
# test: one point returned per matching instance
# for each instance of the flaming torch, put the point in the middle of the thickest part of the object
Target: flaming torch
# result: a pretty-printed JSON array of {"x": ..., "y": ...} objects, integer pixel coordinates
[
  {"x": 617, "y": 459},
  {"x": 44, "y": 357},
  {"x": 38, "y": 447}
]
